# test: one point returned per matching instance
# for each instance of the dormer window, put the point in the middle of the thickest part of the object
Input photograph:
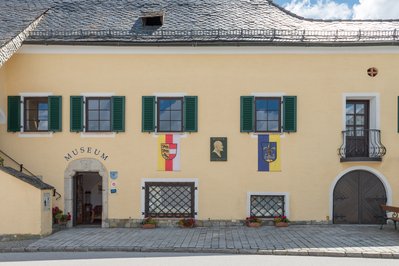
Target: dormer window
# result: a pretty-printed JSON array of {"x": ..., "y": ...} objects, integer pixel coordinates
[{"x": 152, "y": 20}]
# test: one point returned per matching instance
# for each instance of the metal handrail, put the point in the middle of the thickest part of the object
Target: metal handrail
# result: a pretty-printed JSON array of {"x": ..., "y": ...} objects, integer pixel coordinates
[
  {"x": 21, "y": 166},
  {"x": 358, "y": 143},
  {"x": 222, "y": 34}
]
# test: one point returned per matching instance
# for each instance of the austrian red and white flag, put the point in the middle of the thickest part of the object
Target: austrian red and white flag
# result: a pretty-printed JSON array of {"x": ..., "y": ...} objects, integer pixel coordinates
[{"x": 169, "y": 152}]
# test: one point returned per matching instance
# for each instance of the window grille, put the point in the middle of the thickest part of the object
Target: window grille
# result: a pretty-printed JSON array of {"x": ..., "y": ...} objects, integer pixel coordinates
[
  {"x": 169, "y": 200},
  {"x": 267, "y": 206}
]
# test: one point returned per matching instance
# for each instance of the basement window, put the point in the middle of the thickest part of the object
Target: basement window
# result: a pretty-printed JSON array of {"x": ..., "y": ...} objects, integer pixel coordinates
[{"x": 152, "y": 21}]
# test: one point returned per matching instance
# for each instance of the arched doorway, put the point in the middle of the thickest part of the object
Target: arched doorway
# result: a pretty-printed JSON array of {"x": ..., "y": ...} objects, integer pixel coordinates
[
  {"x": 77, "y": 167},
  {"x": 357, "y": 198}
]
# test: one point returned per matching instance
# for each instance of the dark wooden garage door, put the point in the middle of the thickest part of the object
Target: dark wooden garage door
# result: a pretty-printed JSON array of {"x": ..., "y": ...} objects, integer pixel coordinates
[{"x": 357, "y": 199}]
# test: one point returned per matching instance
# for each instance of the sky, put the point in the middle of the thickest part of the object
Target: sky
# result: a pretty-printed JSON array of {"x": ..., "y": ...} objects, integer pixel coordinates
[{"x": 343, "y": 9}]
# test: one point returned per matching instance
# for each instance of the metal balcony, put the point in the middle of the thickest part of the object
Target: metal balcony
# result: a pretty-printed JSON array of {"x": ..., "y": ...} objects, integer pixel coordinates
[{"x": 361, "y": 145}]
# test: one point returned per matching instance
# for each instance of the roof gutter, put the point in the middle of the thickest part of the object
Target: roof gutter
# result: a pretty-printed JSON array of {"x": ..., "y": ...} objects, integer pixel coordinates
[{"x": 211, "y": 43}]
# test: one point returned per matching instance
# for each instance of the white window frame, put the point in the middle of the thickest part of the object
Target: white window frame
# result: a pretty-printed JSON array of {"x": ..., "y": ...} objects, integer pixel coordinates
[
  {"x": 86, "y": 134},
  {"x": 22, "y": 133},
  {"x": 270, "y": 95},
  {"x": 177, "y": 180},
  {"x": 286, "y": 201},
  {"x": 374, "y": 112},
  {"x": 166, "y": 95},
  {"x": 3, "y": 118}
]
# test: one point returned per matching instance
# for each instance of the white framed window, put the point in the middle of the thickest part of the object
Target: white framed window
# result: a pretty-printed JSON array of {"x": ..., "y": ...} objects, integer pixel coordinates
[
  {"x": 34, "y": 114},
  {"x": 169, "y": 197},
  {"x": 267, "y": 204}
]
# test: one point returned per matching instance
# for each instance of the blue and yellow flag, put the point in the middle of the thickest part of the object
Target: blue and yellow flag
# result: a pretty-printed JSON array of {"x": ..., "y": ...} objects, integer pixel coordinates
[{"x": 269, "y": 153}]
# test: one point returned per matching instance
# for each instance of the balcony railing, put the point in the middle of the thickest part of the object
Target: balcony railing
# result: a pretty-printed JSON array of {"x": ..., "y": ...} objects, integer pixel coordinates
[{"x": 361, "y": 145}]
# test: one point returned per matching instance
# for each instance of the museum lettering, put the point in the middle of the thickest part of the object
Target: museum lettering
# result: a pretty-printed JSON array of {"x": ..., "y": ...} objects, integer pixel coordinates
[{"x": 85, "y": 150}]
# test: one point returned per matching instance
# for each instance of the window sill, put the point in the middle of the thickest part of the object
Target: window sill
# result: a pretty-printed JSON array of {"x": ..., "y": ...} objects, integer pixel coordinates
[
  {"x": 35, "y": 134},
  {"x": 97, "y": 134},
  {"x": 182, "y": 134},
  {"x": 361, "y": 159},
  {"x": 255, "y": 134}
]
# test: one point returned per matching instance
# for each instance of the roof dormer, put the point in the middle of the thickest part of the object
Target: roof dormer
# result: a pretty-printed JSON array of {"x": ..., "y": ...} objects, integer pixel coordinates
[{"x": 152, "y": 19}]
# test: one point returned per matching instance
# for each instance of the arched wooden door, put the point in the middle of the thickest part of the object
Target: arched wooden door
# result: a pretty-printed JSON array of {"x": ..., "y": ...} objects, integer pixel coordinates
[{"x": 357, "y": 199}]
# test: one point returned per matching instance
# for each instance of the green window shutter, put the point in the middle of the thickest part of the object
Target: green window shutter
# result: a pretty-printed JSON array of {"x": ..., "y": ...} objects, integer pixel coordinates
[
  {"x": 118, "y": 113},
  {"x": 191, "y": 113},
  {"x": 148, "y": 114},
  {"x": 14, "y": 114},
  {"x": 55, "y": 113},
  {"x": 289, "y": 111},
  {"x": 247, "y": 114},
  {"x": 76, "y": 112}
]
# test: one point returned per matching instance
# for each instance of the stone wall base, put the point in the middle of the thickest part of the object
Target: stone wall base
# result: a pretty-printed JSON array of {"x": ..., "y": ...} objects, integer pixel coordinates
[{"x": 136, "y": 223}]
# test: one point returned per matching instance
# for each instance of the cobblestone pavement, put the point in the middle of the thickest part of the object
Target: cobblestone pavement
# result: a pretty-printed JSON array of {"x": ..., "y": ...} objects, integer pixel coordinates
[
  {"x": 315, "y": 240},
  {"x": 16, "y": 244}
]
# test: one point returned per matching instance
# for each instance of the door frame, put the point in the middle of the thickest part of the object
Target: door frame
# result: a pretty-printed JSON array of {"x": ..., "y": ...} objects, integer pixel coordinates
[
  {"x": 74, "y": 191},
  {"x": 353, "y": 140},
  {"x": 374, "y": 107},
  {"x": 85, "y": 165},
  {"x": 382, "y": 178}
]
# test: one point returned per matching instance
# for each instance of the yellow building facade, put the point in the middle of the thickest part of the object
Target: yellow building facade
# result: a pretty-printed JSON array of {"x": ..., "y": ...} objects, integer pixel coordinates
[{"x": 343, "y": 139}]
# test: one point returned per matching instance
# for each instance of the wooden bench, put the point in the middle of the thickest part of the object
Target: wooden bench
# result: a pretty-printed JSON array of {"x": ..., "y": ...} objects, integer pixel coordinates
[{"x": 394, "y": 214}]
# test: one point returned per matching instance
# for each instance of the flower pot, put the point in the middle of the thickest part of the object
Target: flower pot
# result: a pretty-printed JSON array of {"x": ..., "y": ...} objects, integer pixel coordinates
[
  {"x": 254, "y": 224},
  {"x": 281, "y": 224},
  {"x": 148, "y": 226},
  {"x": 61, "y": 222},
  {"x": 186, "y": 226}
]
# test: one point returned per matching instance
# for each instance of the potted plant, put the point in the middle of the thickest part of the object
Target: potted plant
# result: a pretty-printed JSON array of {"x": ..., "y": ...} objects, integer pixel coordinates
[
  {"x": 62, "y": 218},
  {"x": 186, "y": 223},
  {"x": 281, "y": 221},
  {"x": 55, "y": 212},
  {"x": 253, "y": 221},
  {"x": 148, "y": 223}
]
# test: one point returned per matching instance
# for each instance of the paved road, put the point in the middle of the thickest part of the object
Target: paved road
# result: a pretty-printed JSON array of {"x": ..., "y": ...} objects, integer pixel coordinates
[
  {"x": 318, "y": 240},
  {"x": 313, "y": 240},
  {"x": 166, "y": 259}
]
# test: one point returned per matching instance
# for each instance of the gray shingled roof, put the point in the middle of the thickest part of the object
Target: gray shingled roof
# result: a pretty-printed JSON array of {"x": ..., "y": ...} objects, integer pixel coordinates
[
  {"x": 189, "y": 21},
  {"x": 32, "y": 180},
  {"x": 17, "y": 19},
  {"x": 200, "y": 21}
]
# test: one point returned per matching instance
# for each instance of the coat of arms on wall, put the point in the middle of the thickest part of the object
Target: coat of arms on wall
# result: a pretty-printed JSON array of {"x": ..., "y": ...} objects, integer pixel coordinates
[
  {"x": 218, "y": 149},
  {"x": 169, "y": 152},
  {"x": 269, "y": 153}
]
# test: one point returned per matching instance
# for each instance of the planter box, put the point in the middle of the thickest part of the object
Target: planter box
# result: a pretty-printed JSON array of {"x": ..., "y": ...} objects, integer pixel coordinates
[
  {"x": 254, "y": 224},
  {"x": 281, "y": 224},
  {"x": 148, "y": 226}
]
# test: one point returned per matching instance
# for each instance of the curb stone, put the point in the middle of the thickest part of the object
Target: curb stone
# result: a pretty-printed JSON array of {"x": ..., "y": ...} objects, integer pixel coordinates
[
  {"x": 354, "y": 254},
  {"x": 386, "y": 255},
  {"x": 205, "y": 250}
]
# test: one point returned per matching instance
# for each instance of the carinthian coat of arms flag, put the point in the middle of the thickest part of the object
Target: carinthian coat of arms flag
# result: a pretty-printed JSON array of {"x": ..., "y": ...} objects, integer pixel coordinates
[
  {"x": 269, "y": 153},
  {"x": 169, "y": 152}
]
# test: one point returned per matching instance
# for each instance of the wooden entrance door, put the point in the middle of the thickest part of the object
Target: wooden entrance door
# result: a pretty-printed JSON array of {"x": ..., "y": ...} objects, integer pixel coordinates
[
  {"x": 357, "y": 199},
  {"x": 78, "y": 199},
  {"x": 357, "y": 129}
]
